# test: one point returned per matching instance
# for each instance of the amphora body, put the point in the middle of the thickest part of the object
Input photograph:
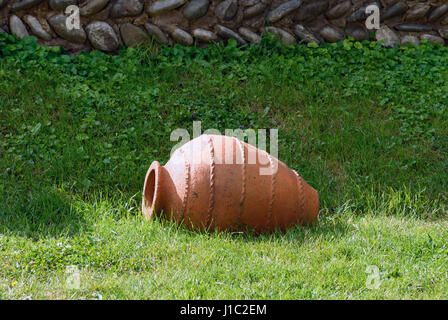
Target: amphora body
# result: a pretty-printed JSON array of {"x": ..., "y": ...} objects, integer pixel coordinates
[{"x": 219, "y": 182}]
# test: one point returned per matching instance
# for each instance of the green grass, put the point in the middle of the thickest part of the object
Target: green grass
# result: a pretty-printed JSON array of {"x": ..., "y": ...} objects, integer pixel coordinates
[{"x": 366, "y": 126}]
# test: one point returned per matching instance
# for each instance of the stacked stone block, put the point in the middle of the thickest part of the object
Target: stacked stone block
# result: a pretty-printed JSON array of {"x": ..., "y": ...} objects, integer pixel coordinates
[{"x": 108, "y": 24}]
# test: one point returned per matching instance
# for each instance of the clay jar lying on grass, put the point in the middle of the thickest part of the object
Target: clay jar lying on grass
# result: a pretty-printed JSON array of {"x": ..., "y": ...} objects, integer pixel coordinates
[{"x": 218, "y": 182}]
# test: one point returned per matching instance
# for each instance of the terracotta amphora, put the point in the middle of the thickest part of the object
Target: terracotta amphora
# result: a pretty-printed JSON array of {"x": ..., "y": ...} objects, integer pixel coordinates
[{"x": 219, "y": 182}]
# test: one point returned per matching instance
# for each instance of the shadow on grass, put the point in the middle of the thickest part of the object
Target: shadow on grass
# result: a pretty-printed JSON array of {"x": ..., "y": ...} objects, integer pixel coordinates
[
  {"x": 325, "y": 227},
  {"x": 39, "y": 213},
  {"x": 50, "y": 212}
]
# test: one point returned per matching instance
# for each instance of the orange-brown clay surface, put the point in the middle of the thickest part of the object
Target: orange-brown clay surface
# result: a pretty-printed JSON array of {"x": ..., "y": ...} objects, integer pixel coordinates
[{"x": 219, "y": 182}]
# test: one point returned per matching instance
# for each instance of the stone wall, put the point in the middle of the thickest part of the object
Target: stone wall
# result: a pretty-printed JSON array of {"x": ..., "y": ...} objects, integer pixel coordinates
[{"x": 108, "y": 24}]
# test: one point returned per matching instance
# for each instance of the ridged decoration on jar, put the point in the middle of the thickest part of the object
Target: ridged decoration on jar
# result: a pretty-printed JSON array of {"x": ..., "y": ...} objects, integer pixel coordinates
[{"x": 219, "y": 182}]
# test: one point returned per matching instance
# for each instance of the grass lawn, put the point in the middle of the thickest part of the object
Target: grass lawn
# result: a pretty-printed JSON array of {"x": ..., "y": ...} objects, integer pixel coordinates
[{"x": 365, "y": 126}]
